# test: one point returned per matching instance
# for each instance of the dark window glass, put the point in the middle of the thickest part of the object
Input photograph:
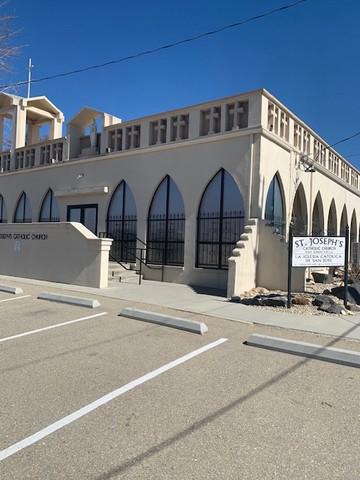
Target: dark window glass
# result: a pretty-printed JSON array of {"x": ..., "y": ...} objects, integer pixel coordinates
[
  {"x": 166, "y": 225},
  {"x": 220, "y": 221},
  {"x": 121, "y": 224},
  {"x": 23, "y": 210},
  {"x": 3, "y": 211},
  {"x": 274, "y": 209},
  {"x": 49, "y": 209}
]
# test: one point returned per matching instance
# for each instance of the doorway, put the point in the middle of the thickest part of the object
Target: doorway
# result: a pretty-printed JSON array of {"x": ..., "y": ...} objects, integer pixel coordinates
[{"x": 85, "y": 214}]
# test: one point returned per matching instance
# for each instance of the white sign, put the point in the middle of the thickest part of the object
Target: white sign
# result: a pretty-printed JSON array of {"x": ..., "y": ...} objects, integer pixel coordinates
[{"x": 318, "y": 251}]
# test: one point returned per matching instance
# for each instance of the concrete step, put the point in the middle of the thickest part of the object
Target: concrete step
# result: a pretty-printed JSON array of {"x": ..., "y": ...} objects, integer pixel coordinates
[{"x": 117, "y": 273}]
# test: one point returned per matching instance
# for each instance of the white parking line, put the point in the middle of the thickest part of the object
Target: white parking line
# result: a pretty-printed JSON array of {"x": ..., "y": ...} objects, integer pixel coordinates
[
  {"x": 26, "y": 442},
  {"x": 31, "y": 332},
  {"x": 14, "y": 298}
]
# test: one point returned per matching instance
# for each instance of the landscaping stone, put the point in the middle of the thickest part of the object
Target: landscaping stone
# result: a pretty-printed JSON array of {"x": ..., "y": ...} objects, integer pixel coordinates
[
  {"x": 235, "y": 299},
  {"x": 353, "y": 295},
  {"x": 271, "y": 300},
  {"x": 301, "y": 300},
  {"x": 327, "y": 304},
  {"x": 322, "y": 277},
  {"x": 353, "y": 308}
]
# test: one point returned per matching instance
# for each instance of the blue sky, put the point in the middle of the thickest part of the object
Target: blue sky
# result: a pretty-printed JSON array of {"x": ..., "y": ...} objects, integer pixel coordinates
[{"x": 307, "y": 56}]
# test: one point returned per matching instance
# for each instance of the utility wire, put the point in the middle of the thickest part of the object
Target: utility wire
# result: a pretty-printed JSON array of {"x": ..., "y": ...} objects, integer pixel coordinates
[
  {"x": 158, "y": 49},
  {"x": 344, "y": 139},
  {"x": 333, "y": 145}
]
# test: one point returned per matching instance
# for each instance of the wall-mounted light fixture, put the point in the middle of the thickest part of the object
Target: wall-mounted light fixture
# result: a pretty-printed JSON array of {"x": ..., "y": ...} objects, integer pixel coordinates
[{"x": 306, "y": 163}]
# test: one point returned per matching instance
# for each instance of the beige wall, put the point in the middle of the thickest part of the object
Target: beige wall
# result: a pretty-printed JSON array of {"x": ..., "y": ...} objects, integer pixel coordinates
[
  {"x": 59, "y": 252},
  {"x": 260, "y": 259},
  {"x": 252, "y": 155}
]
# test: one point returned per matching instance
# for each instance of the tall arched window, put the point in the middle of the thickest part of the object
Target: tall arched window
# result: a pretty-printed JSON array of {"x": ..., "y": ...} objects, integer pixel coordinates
[
  {"x": 166, "y": 225},
  {"x": 274, "y": 208},
  {"x": 332, "y": 220},
  {"x": 318, "y": 217},
  {"x": 299, "y": 218},
  {"x": 3, "y": 211},
  {"x": 23, "y": 210},
  {"x": 353, "y": 232},
  {"x": 220, "y": 221},
  {"x": 49, "y": 211},
  {"x": 343, "y": 221},
  {"x": 121, "y": 224}
]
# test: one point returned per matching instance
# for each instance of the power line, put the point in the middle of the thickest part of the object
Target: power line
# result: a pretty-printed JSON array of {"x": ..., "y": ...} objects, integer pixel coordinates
[
  {"x": 158, "y": 49},
  {"x": 345, "y": 139}
]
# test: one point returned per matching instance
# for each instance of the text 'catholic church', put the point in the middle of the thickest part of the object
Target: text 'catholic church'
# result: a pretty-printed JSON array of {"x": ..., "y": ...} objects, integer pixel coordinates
[{"x": 202, "y": 195}]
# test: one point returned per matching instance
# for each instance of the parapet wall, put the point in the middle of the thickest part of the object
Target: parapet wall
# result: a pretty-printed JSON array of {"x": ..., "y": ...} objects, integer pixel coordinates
[{"x": 64, "y": 252}]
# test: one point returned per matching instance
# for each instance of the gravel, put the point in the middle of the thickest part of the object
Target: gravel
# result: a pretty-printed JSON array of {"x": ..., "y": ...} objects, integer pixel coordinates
[{"x": 312, "y": 290}]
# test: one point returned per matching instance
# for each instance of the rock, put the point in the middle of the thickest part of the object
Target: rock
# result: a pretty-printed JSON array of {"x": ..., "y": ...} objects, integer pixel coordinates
[
  {"x": 261, "y": 290},
  {"x": 322, "y": 277},
  {"x": 272, "y": 300},
  {"x": 327, "y": 304},
  {"x": 246, "y": 301},
  {"x": 334, "y": 308},
  {"x": 235, "y": 299},
  {"x": 353, "y": 295},
  {"x": 353, "y": 308},
  {"x": 301, "y": 300}
]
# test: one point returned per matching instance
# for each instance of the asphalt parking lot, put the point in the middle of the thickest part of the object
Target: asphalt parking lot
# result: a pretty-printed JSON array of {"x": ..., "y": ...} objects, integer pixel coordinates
[{"x": 103, "y": 397}]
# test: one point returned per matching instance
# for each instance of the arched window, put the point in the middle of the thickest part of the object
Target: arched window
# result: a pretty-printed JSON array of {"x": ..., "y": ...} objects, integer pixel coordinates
[
  {"x": 299, "y": 216},
  {"x": 274, "y": 208},
  {"x": 332, "y": 220},
  {"x": 3, "y": 211},
  {"x": 166, "y": 225},
  {"x": 23, "y": 210},
  {"x": 318, "y": 217},
  {"x": 353, "y": 233},
  {"x": 220, "y": 221},
  {"x": 343, "y": 221},
  {"x": 49, "y": 211},
  {"x": 121, "y": 224},
  {"x": 353, "y": 228}
]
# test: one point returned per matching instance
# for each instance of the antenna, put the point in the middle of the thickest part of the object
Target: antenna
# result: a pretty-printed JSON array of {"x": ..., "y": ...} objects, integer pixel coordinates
[{"x": 29, "y": 68}]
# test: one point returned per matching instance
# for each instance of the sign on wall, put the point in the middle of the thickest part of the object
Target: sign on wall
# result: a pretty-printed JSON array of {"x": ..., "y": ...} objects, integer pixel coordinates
[{"x": 318, "y": 251}]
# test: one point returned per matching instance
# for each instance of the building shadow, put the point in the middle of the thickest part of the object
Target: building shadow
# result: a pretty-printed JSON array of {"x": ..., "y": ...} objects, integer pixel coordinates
[{"x": 214, "y": 292}]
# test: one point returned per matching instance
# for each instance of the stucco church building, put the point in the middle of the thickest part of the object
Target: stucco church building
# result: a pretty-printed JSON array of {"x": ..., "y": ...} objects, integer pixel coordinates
[{"x": 203, "y": 195}]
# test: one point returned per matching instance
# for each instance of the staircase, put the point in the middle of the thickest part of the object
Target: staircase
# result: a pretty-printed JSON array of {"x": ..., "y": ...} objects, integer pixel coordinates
[{"x": 124, "y": 274}]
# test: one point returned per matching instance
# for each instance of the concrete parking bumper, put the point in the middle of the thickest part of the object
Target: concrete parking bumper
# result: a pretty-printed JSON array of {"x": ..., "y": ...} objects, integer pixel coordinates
[
  {"x": 319, "y": 352},
  {"x": 174, "y": 322},
  {"x": 81, "y": 302}
]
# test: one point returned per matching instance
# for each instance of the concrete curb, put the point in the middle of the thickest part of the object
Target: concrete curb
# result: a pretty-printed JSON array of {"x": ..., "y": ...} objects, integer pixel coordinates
[
  {"x": 14, "y": 290},
  {"x": 174, "y": 322},
  {"x": 319, "y": 352},
  {"x": 82, "y": 302}
]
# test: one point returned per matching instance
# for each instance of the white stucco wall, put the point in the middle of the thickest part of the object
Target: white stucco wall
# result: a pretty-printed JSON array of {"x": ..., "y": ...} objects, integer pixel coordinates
[
  {"x": 251, "y": 154},
  {"x": 59, "y": 252}
]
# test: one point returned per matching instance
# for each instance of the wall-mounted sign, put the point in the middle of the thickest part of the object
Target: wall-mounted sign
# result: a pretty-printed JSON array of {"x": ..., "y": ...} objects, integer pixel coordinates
[
  {"x": 23, "y": 236},
  {"x": 318, "y": 251}
]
